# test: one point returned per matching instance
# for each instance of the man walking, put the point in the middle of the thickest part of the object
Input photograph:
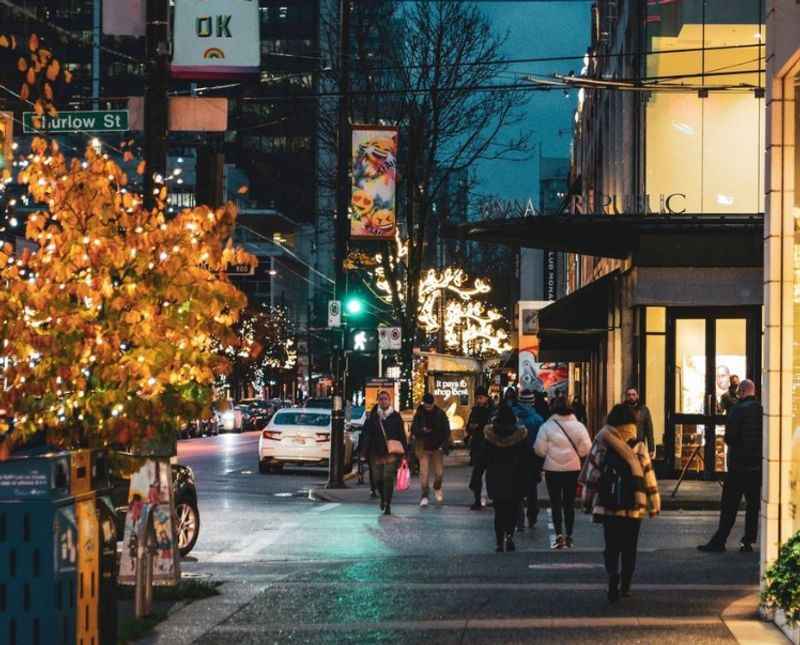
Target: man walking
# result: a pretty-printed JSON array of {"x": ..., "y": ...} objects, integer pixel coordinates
[
  {"x": 527, "y": 416},
  {"x": 431, "y": 431},
  {"x": 644, "y": 421},
  {"x": 743, "y": 434},
  {"x": 479, "y": 417}
]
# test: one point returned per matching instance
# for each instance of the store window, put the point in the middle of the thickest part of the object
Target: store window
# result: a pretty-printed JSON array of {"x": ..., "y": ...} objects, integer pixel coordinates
[
  {"x": 711, "y": 55},
  {"x": 655, "y": 372}
]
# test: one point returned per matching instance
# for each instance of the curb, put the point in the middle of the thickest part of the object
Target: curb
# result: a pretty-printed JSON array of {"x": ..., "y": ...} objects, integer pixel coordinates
[{"x": 748, "y": 627}]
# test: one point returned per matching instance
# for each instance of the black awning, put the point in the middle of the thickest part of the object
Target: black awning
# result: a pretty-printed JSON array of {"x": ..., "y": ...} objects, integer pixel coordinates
[
  {"x": 651, "y": 240},
  {"x": 572, "y": 327}
]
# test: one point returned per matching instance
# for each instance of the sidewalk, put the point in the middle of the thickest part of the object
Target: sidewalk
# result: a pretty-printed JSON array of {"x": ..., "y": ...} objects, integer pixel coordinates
[{"x": 691, "y": 496}]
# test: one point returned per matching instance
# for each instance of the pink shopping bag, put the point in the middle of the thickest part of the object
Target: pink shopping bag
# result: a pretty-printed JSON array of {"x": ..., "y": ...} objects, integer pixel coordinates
[{"x": 403, "y": 477}]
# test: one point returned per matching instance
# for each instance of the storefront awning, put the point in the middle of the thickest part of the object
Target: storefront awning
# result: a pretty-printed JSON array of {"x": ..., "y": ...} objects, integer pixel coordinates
[
  {"x": 572, "y": 327},
  {"x": 651, "y": 240}
]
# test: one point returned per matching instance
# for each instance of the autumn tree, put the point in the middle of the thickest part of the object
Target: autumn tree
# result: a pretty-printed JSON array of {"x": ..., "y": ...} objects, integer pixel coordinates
[{"x": 107, "y": 325}]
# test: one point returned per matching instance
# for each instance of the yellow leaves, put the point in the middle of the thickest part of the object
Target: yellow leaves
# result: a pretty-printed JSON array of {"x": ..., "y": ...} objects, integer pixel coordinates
[
  {"x": 127, "y": 156},
  {"x": 37, "y": 108},
  {"x": 4, "y": 42},
  {"x": 243, "y": 190},
  {"x": 52, "y": 70},
  {"x": 22, "y": 64},
  {"x": 128, "y": 200},
  {"x": 47, "y": 91},
  {"x": 24, "y": 92},
  {"x": 67, "y": 76},
  {"x": 162, "y": 194},
  {"x": 30, "y": 77},
  {"x": 33, "y": 42},
  {"x": 140, "y": 168}
]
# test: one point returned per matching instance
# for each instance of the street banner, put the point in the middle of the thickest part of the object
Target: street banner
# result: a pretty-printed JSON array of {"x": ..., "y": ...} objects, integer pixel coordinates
[
  {"x": 372, "y": 199},
  {"x": 552, "y": 378},
  {"x": 124, "y": 17},
  {"x": 216, "y": 39}
]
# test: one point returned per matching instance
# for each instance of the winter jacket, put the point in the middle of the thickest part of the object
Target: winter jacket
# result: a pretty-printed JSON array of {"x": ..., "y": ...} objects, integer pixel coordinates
[
  {"x": 479, "y": 417},
  {"x": 504, "y": 456},
  {"x": 743, "y": 434},
  {"x": 530, "y": 419},
  {"x": 553, "y": 445},
  {"x": 374, "y": 443},
  {"x": 624, "y": 441},
  {"x": 438, "y": 438},
  {"x": 644, "y": 426}
]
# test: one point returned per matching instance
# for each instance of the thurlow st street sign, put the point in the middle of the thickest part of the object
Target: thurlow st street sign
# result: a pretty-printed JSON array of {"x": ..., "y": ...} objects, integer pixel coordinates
[{"x": 96, "y": 121}]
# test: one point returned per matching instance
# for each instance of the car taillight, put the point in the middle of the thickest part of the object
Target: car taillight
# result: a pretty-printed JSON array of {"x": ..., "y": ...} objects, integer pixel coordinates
[
  {"x": 322, "y": 437},
  {"x": 267, "y": 434}
]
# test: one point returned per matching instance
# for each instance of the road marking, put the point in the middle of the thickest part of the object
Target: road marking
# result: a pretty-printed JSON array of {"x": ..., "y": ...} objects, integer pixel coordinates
[
  {"x": 325, "y": 507},
  {"x": 566, "y": 565},
  {"x": 283, "y": 494},
  {"x": 251, "y": 547},
  {"x": 475, "y": 624}
]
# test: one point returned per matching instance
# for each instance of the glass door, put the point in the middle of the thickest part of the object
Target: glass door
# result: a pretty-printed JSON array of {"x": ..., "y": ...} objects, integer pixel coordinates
[{"x": 709, "y": 352}]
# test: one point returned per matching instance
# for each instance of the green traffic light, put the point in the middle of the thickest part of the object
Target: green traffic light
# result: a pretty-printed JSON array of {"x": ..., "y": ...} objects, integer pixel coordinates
[{"x": 354, "y": 306}]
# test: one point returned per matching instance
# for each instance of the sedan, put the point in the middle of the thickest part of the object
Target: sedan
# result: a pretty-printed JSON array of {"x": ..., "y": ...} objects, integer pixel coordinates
[{"x": 299, "y": 436}]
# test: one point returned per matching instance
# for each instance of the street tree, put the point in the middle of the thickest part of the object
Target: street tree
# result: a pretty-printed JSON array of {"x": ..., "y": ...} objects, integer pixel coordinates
[{"x": 428, "y": 68}]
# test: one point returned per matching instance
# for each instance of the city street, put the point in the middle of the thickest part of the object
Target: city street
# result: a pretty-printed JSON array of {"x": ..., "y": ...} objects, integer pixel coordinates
[{"x": 303, "y": 571}]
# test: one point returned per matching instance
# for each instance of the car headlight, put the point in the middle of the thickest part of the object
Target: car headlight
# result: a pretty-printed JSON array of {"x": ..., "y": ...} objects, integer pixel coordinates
[{"x": 228, "y": 416}]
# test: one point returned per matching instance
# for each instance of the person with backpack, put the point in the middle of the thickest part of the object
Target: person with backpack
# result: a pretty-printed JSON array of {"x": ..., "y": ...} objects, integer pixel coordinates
[
  {"x": 619, "y": 489},
  {"x": 562, "y": 442},
  {"x": 528, "y": 417},
  {"x": 504, "y": 455}
]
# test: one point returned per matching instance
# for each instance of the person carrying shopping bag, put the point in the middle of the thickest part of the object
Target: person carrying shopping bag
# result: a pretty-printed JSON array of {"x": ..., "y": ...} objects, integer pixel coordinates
[
  {"x": 386, "y": 447},
  {"x": 619, "y": 489},
  {"x": 562, "y": 442}
]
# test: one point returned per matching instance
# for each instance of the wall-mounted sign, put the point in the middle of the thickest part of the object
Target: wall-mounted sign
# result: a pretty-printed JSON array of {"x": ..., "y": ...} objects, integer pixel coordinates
[
  {"x": 216, "y": 39},
  {"x": 372, "y": 197}
]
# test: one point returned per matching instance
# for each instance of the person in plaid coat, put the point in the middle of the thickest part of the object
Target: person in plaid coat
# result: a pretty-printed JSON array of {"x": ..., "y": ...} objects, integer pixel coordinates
[{"x": 620, "y": 525}]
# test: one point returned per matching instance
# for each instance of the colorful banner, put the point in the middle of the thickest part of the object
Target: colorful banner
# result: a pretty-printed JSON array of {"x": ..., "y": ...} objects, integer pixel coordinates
[
  {"x": 372, "y": 200},
  {"x": 216, "y": 39},
  {"x": 552, "y": 378}
]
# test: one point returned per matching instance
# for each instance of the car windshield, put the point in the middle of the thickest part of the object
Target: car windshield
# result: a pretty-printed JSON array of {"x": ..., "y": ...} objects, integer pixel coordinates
[{"x": 298, "y": 418}]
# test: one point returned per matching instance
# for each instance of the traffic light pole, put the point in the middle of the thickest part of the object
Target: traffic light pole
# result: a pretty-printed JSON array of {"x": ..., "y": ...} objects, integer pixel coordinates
[
  {"x": 156, "y": 100},
  {"x": 336, "y": 468}
]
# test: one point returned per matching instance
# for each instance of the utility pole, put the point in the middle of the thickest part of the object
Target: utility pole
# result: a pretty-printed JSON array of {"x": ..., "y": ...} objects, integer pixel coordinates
[
  {"x": 336, "y": 468},
  {"x": 156, "y": 106}
]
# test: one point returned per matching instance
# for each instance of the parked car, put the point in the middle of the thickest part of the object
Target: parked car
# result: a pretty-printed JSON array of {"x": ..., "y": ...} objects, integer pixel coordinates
[
  {"x": 299, "y": 436},
  {"x": 188, "y": 516},
  {"x": 230, "y": 419},
  {"x": 358, "y": 417},
  {"x": 199, "y": 428},
  {"x": 260, "y": 413},
  {"x": 324, "y": 403}
]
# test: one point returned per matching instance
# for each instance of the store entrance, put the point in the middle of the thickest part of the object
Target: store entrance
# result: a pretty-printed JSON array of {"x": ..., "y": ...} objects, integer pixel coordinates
[{"x": 705, "y": 351}]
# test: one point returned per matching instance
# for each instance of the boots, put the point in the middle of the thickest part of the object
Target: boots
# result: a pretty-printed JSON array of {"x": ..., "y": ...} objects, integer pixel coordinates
[
  {"x": 501, "y": 543},
  {"x": 387, "y": 510},
  {"x": 613, "y": 588},
  {"x": 510, "y": 542},
  {"x": 625, "y": 584}
]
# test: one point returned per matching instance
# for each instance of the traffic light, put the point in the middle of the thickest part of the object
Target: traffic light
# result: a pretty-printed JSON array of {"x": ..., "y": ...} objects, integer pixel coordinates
[
  {"x": 363, "y": 340},
  {"x": 354, "y": 305}
]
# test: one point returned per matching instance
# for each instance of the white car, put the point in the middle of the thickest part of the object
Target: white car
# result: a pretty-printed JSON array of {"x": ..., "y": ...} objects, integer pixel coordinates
[{"x": 299, "y": 436}]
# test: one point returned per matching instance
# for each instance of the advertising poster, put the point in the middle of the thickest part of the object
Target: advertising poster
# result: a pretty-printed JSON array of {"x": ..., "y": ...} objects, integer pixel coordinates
[
  {"x": 372, "y": 197},
  {"x": 453, "y": 393},
  {"x": 552, "y": 378},
  {"x": 150, "y": 497},
  {"x": 216, "y": 39}
]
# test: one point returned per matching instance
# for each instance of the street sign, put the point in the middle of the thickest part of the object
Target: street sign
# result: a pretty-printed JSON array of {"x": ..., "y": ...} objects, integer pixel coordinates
[
  {"x": 95, "y": 121},
  {"x": 363, "y": 340},
  {"x": 334, "y": 313},
  {"x": 240, "y": 269},
  {"x": 390, "y": 338}
]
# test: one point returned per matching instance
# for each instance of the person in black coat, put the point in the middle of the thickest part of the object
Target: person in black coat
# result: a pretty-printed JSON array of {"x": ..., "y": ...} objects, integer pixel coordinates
[
  {"x": 479, "y": 417},
  {"x": 383, "y": 427},
  {"x": 505, "y": 457},
  {"x": 743, "y": 434}
]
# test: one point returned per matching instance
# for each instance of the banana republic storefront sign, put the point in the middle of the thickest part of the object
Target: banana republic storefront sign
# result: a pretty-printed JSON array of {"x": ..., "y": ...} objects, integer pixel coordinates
[{"x": 602, "y": 204}]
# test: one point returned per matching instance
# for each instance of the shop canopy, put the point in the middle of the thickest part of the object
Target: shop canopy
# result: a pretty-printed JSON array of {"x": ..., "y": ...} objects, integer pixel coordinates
[{"x": 649, "y": 240}]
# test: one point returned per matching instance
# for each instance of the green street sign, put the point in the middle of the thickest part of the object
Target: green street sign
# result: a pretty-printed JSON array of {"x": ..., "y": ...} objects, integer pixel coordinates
[{"x": 95, "y": 121}]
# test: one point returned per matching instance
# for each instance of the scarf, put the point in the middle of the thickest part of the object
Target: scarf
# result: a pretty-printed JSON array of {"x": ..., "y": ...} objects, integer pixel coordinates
[
  {"x": 383, "y": 414},
  {"x": 617, "y": 438}
]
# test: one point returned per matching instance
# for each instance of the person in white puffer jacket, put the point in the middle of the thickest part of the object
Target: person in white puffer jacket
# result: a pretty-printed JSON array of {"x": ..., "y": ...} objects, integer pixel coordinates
[{"x": 563, "y": 442}]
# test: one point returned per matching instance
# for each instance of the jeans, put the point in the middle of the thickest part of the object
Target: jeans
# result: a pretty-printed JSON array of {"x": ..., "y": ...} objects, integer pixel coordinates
[
  {"x": 561, "y": 487},
  {"x": 476, "y": 479},
  {"x": 385, "y": 475},
  {"x": 430, "y": 459},
  {"x": 621, "y": 535},
  {"x": 738, "y": 483},
  {"x": 505, "y": 518}
]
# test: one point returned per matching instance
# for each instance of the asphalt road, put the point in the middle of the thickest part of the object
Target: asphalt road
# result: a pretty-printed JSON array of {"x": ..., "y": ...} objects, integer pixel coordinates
[{"x": 307, "y": 572}]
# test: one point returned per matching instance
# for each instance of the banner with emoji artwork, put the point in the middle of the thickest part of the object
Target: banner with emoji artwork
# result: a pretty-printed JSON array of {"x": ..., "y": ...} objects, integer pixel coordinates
[{"x": 372, "y": 197}]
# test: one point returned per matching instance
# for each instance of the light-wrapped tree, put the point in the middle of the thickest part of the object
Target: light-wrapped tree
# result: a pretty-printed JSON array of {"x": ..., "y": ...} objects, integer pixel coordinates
[{"x": 108, "y": 318}]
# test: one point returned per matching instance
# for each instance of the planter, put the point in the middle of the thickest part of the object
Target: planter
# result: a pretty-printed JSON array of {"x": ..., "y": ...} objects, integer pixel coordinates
[
  {"x": 792, "y": 631},
  {"x": 60, "y": 564}
]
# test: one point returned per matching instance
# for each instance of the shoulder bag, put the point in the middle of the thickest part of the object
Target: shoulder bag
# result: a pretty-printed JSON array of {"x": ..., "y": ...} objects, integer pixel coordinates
[{"x": 393, "y": 446}]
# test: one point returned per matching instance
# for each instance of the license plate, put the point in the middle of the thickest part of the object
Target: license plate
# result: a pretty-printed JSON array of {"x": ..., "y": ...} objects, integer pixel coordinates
[{"x": 300, "y": 440}]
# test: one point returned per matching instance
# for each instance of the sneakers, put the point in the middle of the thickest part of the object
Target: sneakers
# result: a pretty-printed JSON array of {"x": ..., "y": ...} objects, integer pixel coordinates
[
  {"x": 439, "y": 494},
  {"x": 423, "y": 502},
  {"x": 559, "y": 543},
  {"x": 746, "y": 547},
  {"x": 510, "y": 544},
  {"x": 568, "y": 543},
  {"x": 387, "y": 510},
  {"x": 476, "y": 507},
  {"x": 711, "y": 547}
]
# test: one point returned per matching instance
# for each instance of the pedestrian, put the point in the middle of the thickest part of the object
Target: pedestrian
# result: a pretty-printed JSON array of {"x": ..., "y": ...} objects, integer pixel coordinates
[
  {"x": 504, "y": 454},
  {"x": 479, "y": 417},
  {"x": 644, "y": 420},
  {"x": 363, "y": 439},
  {"x": 528, "y": 417},
  {"x": 541, "y": 405},
  {"x": 562, "y": 441},
  {"x": 579, "y": 408},
  {"x": 431, "y": 431},
  {"x": 619, "y": 489},
  {"x": 743, "y": 434},
  {"x": 731, "y": 396},
  {"x": 386, "y": 447}
]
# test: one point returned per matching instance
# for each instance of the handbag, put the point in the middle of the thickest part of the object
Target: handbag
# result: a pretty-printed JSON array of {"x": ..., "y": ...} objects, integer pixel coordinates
[
  {"x": 579, "y": 486},
  {"x": 393, "y": 446},
  {"x": 403, "y": 479}
]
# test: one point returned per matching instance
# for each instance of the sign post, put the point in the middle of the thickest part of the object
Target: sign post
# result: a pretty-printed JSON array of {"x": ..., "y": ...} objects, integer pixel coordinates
[{"x": 92, "y": 121}]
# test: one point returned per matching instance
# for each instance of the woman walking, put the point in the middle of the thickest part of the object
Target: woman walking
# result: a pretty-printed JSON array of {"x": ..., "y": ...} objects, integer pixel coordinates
[
  {"x": 620, "y": 488},
  {"x": 562, "y": 442},
  {"x": 504, "y": 456},
  {"x": 386, "y": 447}
]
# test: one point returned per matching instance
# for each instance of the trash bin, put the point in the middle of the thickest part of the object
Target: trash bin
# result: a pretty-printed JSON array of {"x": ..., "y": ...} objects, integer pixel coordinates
[{"x": 50, "y": 549}]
